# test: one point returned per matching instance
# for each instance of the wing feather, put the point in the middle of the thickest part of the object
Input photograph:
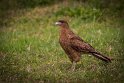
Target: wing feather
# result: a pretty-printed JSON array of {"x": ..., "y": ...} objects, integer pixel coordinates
[{"x": 80, "y": 45}]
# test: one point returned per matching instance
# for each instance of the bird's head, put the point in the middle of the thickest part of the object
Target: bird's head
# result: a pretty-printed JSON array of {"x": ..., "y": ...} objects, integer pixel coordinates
[{"x": 62, "y": 23}]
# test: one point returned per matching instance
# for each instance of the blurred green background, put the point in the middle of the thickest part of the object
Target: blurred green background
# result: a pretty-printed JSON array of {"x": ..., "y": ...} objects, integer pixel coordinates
[{"x": 29, "y": 47}]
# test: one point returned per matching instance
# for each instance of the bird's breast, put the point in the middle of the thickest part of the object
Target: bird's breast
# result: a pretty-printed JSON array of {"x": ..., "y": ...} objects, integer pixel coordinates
[{"x": 64, "y": 41}]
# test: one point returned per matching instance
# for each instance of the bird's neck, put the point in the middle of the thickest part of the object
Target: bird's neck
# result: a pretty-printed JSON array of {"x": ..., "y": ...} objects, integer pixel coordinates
[{"x": 64, "y": 31}]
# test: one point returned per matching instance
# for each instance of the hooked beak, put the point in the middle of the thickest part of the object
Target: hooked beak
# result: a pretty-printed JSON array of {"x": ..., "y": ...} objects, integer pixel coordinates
[{"x": 57, "y": 23}]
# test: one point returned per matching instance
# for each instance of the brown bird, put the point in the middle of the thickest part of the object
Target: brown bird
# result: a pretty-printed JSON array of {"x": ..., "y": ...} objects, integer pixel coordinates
[{"x": 74, "y": 46}]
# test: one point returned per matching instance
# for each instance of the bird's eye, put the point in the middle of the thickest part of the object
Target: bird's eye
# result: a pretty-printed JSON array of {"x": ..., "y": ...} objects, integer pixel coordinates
[{"x": 61, "y": 21}]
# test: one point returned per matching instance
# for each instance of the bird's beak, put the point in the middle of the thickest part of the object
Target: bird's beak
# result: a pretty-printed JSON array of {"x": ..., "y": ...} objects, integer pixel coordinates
[{"x": 58, "y": 23}]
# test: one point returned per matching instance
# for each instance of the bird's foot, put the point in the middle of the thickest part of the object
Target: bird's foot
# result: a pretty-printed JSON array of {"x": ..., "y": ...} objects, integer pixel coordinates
[{"x": 73, "y": 66}]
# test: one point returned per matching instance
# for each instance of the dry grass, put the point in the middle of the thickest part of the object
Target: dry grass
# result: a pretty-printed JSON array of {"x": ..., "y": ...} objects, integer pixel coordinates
[{"x": 30, "y": 52}]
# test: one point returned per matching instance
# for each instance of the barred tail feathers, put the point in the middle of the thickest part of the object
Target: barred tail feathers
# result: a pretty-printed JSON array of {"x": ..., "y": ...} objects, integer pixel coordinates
[{"x": 101, "y": 57}]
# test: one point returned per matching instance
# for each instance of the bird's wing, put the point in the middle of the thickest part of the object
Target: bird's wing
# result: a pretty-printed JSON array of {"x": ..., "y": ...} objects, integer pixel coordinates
[{"x": 80, "y": 45}]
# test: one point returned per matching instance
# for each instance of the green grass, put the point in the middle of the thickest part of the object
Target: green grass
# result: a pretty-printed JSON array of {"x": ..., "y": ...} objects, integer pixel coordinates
[{"x": 30, "y": 51}]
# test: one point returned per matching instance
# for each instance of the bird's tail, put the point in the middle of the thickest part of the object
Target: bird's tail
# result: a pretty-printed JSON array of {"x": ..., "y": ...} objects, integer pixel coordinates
[{"x": 100, "y": 56}]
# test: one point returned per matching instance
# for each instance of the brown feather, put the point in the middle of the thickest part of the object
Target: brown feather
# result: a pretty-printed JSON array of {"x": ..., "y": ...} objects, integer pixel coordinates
[{"x": 74, "y": 46}]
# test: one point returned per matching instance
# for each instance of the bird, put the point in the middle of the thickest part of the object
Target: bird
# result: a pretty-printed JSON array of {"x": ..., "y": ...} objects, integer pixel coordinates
[{"x": 74, "y": 46}]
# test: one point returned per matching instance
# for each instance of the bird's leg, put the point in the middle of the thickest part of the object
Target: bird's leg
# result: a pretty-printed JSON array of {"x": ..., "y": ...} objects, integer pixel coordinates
[{"x": 73, "y": 65}]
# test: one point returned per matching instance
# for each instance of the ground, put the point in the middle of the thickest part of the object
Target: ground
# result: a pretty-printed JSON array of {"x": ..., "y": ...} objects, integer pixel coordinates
[{"x": 30, "y": 51}]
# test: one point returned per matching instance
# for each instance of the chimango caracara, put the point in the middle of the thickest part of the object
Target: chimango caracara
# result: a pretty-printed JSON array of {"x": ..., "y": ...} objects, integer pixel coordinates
[{"x": 74, "y": 46}]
